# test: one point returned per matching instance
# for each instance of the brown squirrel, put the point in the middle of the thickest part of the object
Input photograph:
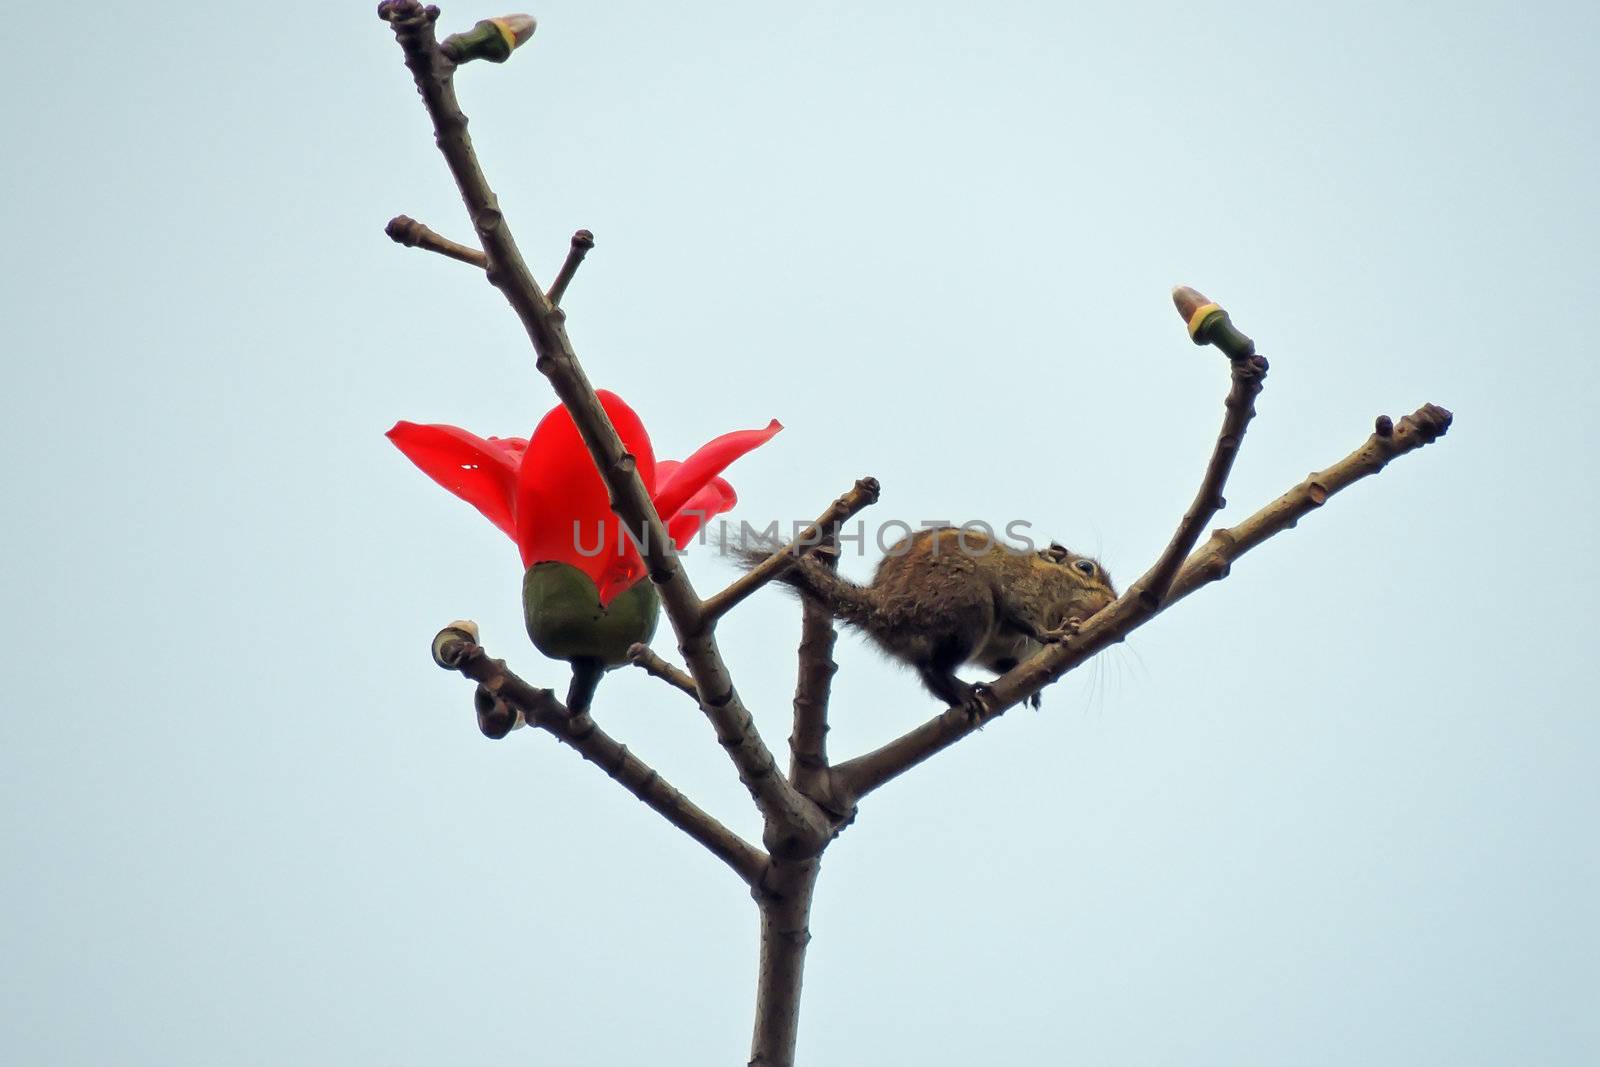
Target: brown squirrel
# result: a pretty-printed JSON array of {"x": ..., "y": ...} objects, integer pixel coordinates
[{"x": 947, "y": 596}]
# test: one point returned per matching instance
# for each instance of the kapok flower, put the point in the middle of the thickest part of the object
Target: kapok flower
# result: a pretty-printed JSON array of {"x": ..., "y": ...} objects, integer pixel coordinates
[{"x": 546, "y": 494}]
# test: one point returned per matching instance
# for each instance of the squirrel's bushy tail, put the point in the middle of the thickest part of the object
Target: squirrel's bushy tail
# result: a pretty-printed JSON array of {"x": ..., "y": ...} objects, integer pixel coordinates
[{"x": 849, "y": 602}]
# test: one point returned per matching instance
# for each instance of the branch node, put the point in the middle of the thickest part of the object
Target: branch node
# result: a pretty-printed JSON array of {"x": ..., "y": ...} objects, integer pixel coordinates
[{"x": 1429, "y": 422}]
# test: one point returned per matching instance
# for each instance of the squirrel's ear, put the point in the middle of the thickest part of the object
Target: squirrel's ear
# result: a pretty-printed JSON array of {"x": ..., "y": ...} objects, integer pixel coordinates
[{"x": 1055, "y": 553}]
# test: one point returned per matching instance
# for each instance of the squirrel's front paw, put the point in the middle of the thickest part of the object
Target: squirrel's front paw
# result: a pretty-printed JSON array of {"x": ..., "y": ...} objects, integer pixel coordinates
[{"x": 1067, "y": 629}]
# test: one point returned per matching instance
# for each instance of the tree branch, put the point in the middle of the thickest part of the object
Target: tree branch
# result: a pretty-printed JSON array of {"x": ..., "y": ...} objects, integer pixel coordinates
[
  {"x": 794, "y": 824},
  {"x": 643, "y": 657},
  {"x": 405, "y": 230},
  {"x": 808, "y": 748},
  {"x": 1388, "y": 442},
  {"x": 824, "y": 529},
  {"x": 858, "y": 777},
  {"x": 455, "y": 648},
  {"x": 582, "y": 241},
  {"x": 1205, "y": 320}
]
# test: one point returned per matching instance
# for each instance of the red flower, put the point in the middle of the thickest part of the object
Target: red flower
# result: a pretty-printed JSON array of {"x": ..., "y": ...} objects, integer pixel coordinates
[{"x": 546, "y": 494}]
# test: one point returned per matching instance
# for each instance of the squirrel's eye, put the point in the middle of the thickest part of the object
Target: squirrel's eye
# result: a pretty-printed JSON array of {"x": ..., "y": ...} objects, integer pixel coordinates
[{"x": 1083, "y": 566}]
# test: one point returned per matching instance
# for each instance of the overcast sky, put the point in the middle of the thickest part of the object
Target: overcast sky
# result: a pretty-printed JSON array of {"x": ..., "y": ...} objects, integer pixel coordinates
[{"x": 1339, "y": 809}]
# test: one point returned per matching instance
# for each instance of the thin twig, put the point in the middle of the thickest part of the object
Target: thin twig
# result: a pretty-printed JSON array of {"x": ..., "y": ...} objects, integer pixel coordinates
[
  {"x": 405, "y": 230},
  {"x": 1248, "y": 372},
  {"x": 825, "y": 528},
  {"x": 456, "y": 650},
  {"x": 858, "y": 777},
  {"x": 794, "y": 823},
  {"x": 582, "y": 241},
  {"x": 645, "y": 658}
]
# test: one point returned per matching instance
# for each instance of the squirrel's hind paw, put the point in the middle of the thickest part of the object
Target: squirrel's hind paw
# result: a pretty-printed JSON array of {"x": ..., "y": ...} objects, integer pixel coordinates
[{"x": 975, "y": 702}]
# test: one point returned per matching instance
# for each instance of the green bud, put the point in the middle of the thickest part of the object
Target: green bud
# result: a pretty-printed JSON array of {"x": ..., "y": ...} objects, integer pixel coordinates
[{"x": 1210, "y": 325}]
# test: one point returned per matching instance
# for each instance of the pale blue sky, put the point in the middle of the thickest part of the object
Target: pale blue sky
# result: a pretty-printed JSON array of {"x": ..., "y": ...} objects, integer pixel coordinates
[{"x": 1340, "y": 809}]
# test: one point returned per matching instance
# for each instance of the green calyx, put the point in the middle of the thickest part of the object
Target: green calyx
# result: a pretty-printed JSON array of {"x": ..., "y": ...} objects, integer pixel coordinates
[
  {"x": 565, "y": 620},
  {"x": 1218, "y": 329},
  {"x": 492, "y": 39}
]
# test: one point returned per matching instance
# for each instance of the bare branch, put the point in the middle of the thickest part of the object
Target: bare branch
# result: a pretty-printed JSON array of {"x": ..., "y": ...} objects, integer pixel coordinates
[
  {"x": 808, "y": 750},
  {"x": 858, "y": 777},
  {"x": 826, "y": 528},
  {"x": 582, "y": 241},
  {"x": 457, "y": 649},
  {"x": 405, "y": 230},
  {"x": 1206, "y": 321},
  {"x": 794, "y": 823},
  {"x": 1388, "y": 442},
  {"x": 643, "y": 657}
]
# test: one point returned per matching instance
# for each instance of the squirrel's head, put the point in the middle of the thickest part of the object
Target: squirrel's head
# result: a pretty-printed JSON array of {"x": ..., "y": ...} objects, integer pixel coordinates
[{"x": 1092, "y": 588}]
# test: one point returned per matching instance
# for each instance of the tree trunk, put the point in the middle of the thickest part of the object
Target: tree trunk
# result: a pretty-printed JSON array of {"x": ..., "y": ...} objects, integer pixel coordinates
[{"x": 785, "y": 916}]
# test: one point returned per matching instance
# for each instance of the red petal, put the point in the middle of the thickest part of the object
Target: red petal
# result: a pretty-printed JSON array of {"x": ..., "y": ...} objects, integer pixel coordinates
[
  {"x": 481, "y": 472},
  {"x": 709, "y": 502},
  {"x": 665, "y": 469},
  {"x": 710, "y": 460},
  {"x": 516, "y": 446},
  {"x": 561, "y": 502}
]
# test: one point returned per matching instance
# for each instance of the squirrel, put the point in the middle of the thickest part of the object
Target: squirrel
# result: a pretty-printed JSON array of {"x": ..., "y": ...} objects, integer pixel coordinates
[{"x": 947, "y": 596}]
